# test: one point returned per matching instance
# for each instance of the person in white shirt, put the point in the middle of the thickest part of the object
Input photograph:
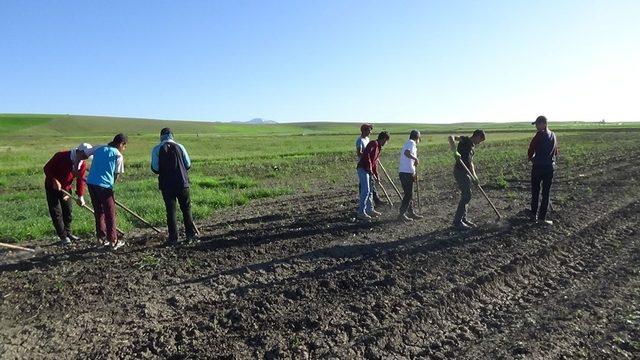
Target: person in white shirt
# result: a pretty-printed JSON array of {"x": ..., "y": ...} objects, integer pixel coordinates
[
  {"x": 408, "y": 162},
  {"x": 361, "y": 144}
]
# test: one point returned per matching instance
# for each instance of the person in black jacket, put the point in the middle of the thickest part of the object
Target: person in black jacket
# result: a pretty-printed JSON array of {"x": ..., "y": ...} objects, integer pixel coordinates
[{"x": 171, "y": 162}]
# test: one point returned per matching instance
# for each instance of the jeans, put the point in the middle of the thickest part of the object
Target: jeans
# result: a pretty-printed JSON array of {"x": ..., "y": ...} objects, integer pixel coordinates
[
  {"x": 366, "y": 196},
  {"x": 464, "y": 183},
  {"x": 60, "y": 211},
  {"x": 540, "y": 174},
  {"x": 406, "y": 180},
  {"x": 182, "y": 195}
]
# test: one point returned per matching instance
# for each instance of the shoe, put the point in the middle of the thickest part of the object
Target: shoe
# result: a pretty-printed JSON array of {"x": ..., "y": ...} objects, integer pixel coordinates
[
  {"x": 416, "y": 216},
  {"x": 172, "y": 243},
  {"x": 404, "y": 217},
  {"x": 105, "y": 243},
  {"x": 363, "y": 216},
  {"x": 461, "y": 226},
  {"x": 469, "y": 223},
  {"x": 375, "y": 213},
  {"x": 65, "y": 242},
  {"x": 193, "y": 239},
  {"x": 73, "y": 237},
  {"x": 118, "y": 245},
  {"x": 545, "y": 222}
]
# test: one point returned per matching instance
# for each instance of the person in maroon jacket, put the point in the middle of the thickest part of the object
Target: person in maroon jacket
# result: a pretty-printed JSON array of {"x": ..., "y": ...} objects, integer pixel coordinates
[
  {"x": 368, "y": 168},
  {"x": 60, "y": 171}
]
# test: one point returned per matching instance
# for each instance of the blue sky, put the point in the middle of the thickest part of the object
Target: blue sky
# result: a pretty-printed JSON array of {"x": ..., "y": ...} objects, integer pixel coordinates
[{"x": 381, "y": 61}]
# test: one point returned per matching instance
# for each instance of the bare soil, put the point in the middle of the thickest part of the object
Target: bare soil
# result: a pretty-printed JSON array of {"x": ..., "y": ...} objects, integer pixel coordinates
[{"x": 298, "y": 277}]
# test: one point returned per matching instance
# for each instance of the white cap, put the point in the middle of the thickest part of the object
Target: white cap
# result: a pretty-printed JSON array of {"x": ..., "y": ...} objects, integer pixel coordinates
[{"x": 84, "y": 147}]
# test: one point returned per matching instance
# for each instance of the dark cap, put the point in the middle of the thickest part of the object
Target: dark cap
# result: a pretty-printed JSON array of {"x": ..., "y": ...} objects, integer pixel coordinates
[
  {"x": 479, "y": 133},
  {"x": 119, "y": 139},
  {"x": 540, "y": 119},
  {"x": 366, "y": 126},
  {"x": 165, "y": 131}
]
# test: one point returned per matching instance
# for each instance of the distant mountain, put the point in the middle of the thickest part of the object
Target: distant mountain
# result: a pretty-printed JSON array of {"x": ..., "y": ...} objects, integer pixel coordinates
[{"x": 256, "y": 121}]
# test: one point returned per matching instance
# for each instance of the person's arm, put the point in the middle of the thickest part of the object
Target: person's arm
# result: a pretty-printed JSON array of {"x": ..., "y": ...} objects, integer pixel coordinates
[
  {"x": 80, "y": 184},
  {"x": 155, "y": 159},
  {"x": 185, "y": 157},
  {"x": 119, "y": 167},
  {"x": 359, "y": 148},
  {"x": 532, "y": 146},
  {"x": 372, "y": 159}
]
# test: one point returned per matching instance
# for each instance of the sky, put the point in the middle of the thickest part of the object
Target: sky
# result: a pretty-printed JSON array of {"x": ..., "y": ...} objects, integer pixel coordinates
[{"x": 293, "y": 61}]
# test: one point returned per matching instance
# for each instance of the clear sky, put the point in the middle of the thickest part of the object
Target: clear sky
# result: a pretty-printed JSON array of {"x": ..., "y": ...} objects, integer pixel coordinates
[{"x": 308, "y": 60}]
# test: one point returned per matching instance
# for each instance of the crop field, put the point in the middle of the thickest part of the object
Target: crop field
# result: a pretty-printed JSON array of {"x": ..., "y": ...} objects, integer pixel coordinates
[{"x": 284, "y": 271}]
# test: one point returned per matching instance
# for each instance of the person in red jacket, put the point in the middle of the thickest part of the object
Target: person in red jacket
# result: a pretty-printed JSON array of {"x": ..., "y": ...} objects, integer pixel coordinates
[
  {"x": 367, "y": 170},
  {"x": 60, "y": 171}
]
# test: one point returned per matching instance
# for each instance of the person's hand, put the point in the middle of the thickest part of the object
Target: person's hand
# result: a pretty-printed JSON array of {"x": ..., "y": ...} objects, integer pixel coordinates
[
  {"x": 80, "y": 201},
  {"x": 415, "y": 177},
  {"x": 377, "y": 179},
  {"x": 416, "y": 162},
  {"x": 475, "y": 179},
  {"x": 457, "y": 155},
  {"x": 57, "y": 185},
  {"x": 65, "y": 198}
]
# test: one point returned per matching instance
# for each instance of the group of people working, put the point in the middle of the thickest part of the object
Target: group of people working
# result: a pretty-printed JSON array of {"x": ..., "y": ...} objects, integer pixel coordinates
[
  {"x": 169, "y": 160},
  {"x": 542, "y": 152}
]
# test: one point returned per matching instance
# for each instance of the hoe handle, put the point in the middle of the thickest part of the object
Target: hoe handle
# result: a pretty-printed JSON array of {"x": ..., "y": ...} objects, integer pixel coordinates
[
  {"x": 137, "y": 216},
  {"x": 480, "y": 187},
  {"x": 389, "y": 178},
  {"x": 16, "y": 247},
  {"x": 85, "y": 206},
  {"x": 386, "y": 194}
]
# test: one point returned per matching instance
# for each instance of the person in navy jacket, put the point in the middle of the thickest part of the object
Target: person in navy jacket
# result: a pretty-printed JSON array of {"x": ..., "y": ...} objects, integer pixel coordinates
[
  {"x": 542, "y": 154},
  {"x": 171, "y": 162}
]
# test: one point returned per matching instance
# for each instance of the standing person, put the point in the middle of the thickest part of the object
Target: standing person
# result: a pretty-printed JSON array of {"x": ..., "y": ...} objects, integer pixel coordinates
[
  {"x": 464, "y": 156},
  {"x": 367, "y": 172},
  {"x": 408, "y": 162},
  {"x": 107, "y": 164},
  {"x": 59, "y": 172},
  {"x": 542, "y": 153},
  {"x": 361, "y": 144},
  {"x": 171, "y": 162}
]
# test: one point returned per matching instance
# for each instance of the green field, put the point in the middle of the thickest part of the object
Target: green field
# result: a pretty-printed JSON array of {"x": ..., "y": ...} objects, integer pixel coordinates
[{"x": 235, "y": 163}]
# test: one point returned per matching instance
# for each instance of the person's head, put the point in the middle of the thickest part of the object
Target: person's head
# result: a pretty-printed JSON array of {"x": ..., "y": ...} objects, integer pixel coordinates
[
  {"x": 478, "y": 136},
  {"x": 365, "y": 129},
  {"x": 415, "y": 135},
  {"x": 81, "y": 151},
  {"x": 166, "y": 134},
  {"x": 119, "y": 142},
  {"x": 383, "y": 137},
  {"x": 540, "y": 123}
]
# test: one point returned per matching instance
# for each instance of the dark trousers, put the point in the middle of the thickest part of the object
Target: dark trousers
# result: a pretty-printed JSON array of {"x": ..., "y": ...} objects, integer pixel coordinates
[
  {"x": 464, "y": 183},
  {"x": 104, "y": 207},
  {"x": 60, "y": 211},
  {"x": 406, "y": 180},
  {"x": 182, "y": 195},
  {"x": 540, "y": 174}
]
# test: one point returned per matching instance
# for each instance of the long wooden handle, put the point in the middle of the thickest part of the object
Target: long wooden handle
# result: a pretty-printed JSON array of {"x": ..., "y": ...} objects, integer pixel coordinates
[
  {"x": 386, "y": 194},
  {"x": 481, "y": 190},
  {"x": 85, "y": 206},
  {"x": 16, "y": 247},
  {"x": 137, "y": 216},
  {"x": 391, "y": 181}
]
